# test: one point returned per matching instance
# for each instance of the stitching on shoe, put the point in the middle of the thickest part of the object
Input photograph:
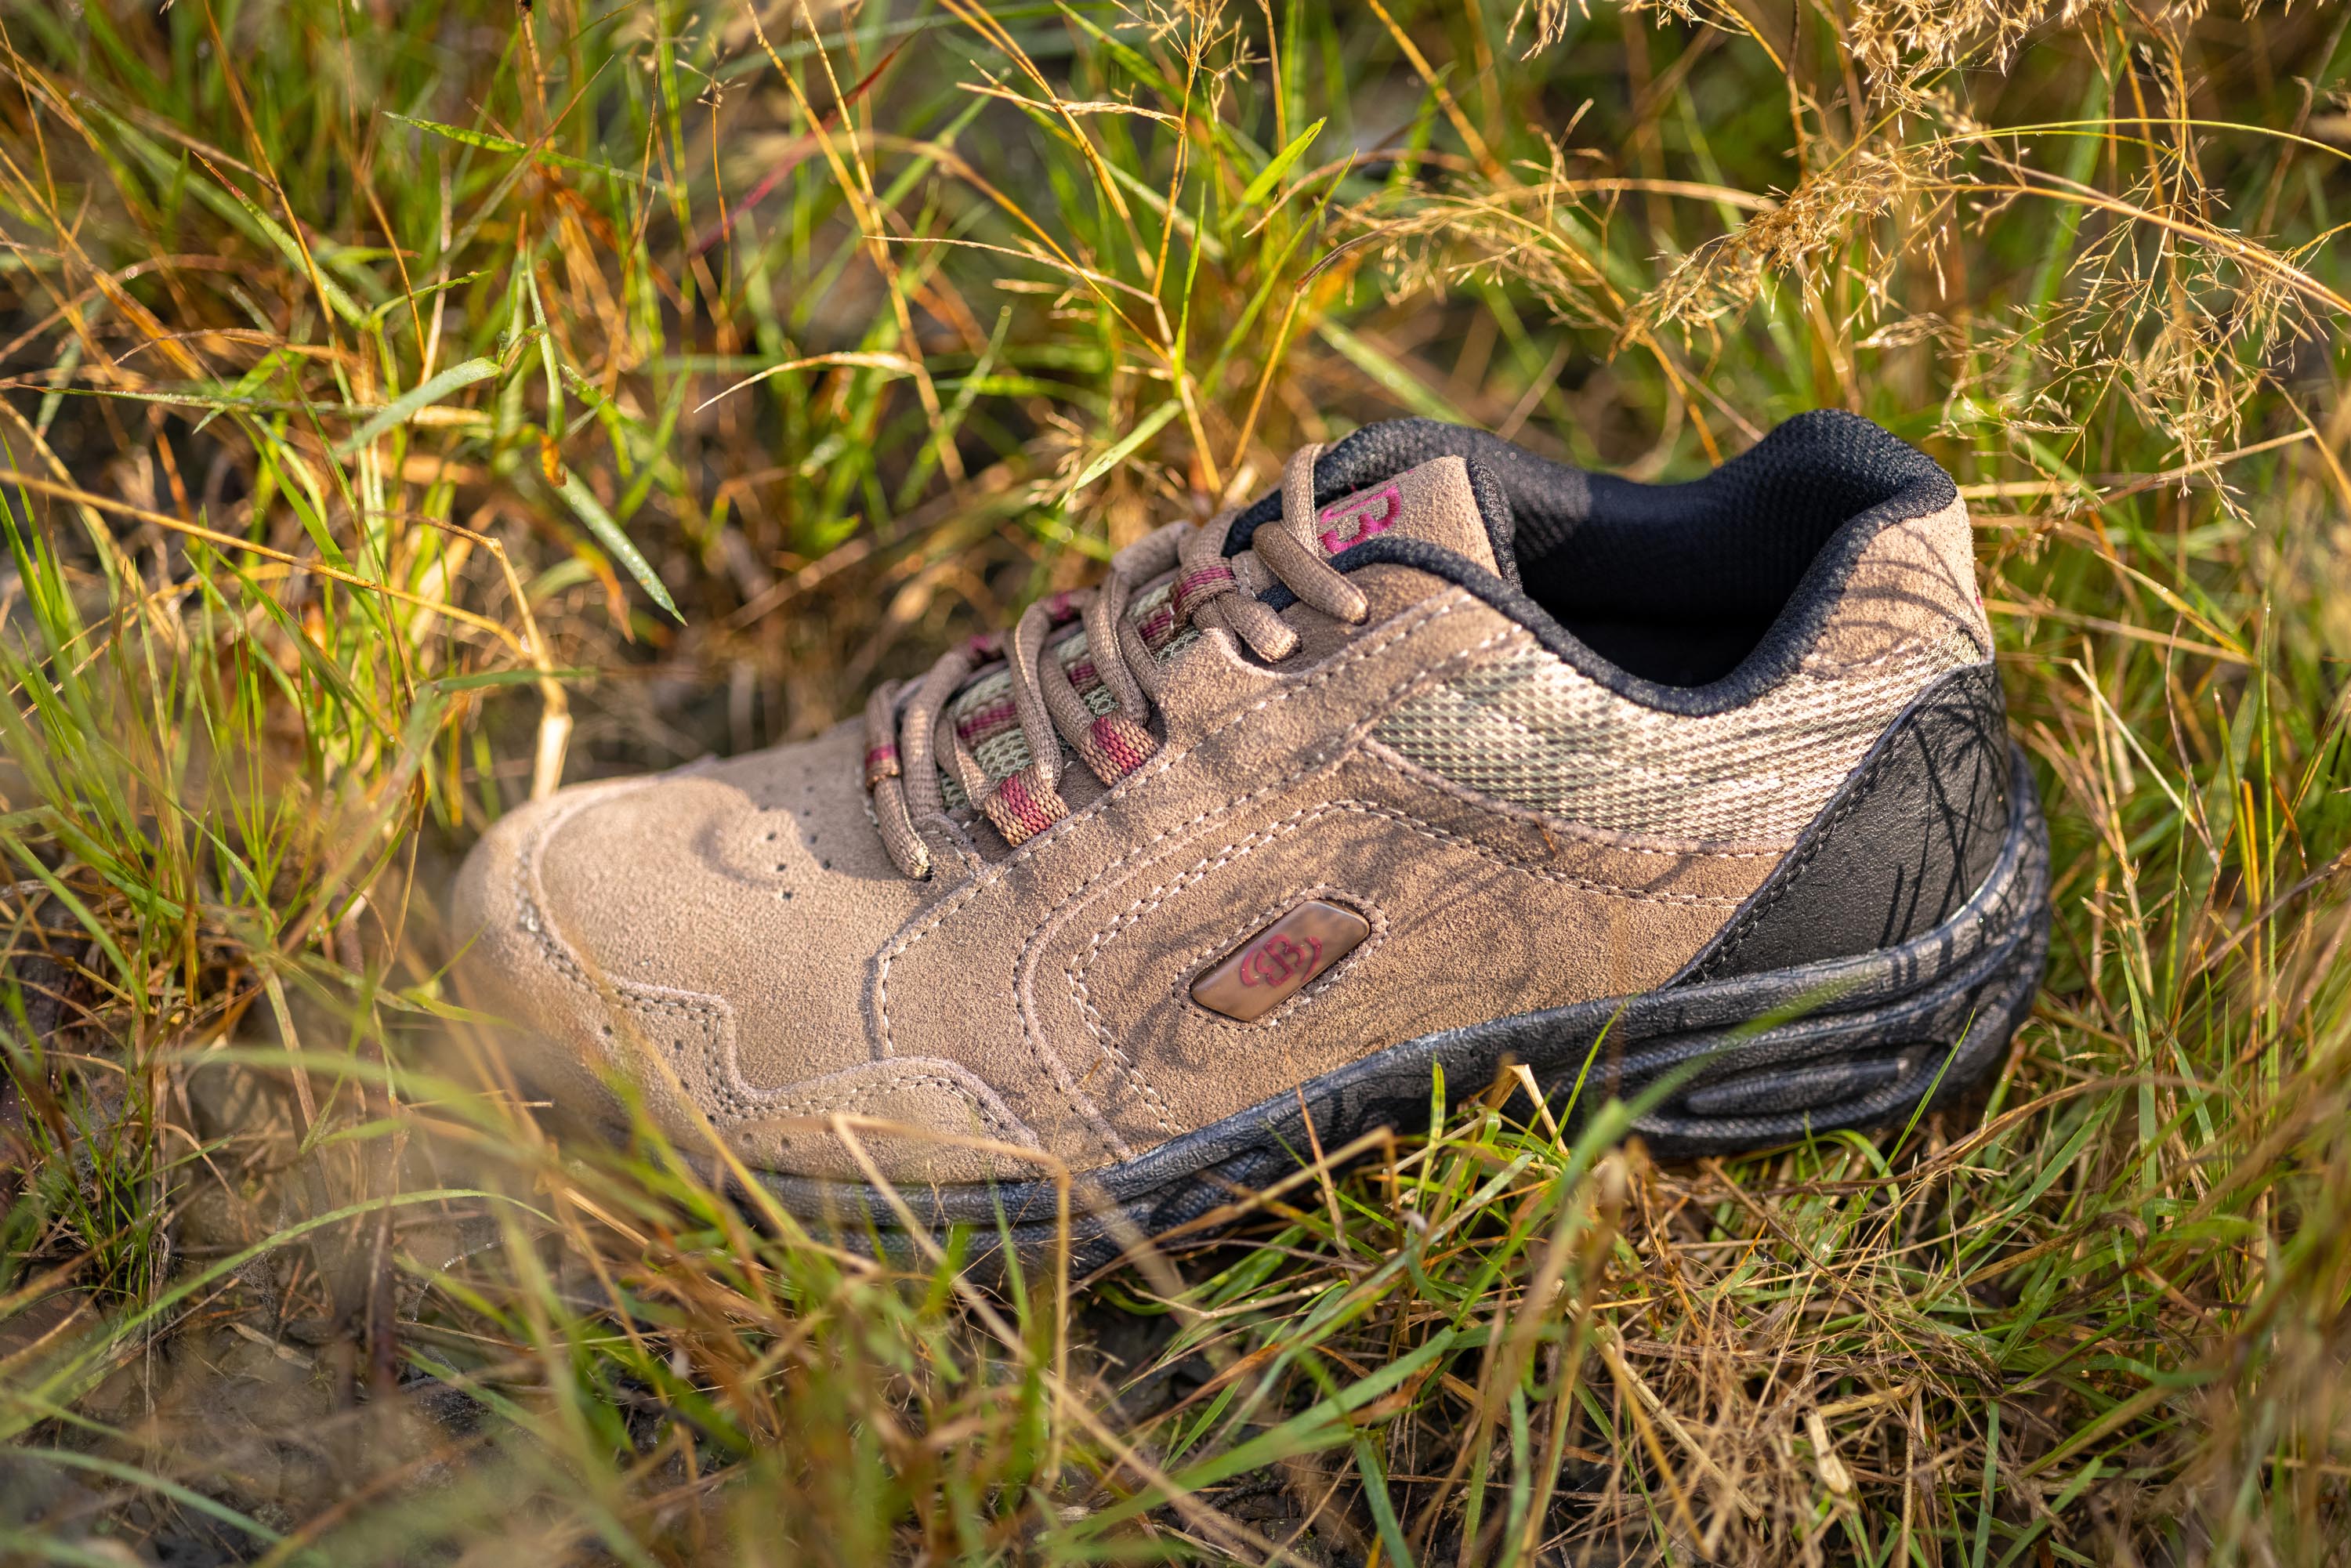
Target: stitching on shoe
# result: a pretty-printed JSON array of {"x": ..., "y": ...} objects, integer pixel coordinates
[
  {"x": 1567, "y": 879},
  {"x": 633, "y": 996},
  {"x": 999, "y": 1122},
  {"x": 1821, "y": 666},
  {"x": 1305, "y": 816},
  {"x": 1784, "y": 878},
  {"x": 1431, "y": 611},
  {"x": 1337, "y": 752}
]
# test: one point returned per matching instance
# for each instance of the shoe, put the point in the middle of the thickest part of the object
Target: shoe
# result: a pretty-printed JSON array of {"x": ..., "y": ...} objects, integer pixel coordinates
[{"x": 1443, "y": 759}]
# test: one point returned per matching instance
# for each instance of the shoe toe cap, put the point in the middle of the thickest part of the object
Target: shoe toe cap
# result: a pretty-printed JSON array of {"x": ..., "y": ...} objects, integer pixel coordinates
[{"x": 708, "y": 933}]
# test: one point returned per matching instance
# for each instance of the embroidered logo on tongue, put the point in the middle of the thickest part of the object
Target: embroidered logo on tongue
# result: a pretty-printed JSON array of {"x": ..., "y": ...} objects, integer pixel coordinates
[
  {"x": 1348, "y": 523},
  {"x": 1431, "y": 502}
]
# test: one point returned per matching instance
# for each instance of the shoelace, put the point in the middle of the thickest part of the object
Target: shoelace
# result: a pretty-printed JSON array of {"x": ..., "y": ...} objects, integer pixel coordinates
[{"x": 910, "y": 727}]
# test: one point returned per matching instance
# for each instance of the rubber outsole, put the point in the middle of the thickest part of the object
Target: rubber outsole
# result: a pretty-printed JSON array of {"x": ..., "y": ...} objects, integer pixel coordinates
[{"x": 1744, "y": 1062}]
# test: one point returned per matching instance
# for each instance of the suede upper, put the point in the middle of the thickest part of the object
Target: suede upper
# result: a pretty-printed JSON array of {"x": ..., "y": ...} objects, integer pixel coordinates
[{"x": 1521, "y": 822}]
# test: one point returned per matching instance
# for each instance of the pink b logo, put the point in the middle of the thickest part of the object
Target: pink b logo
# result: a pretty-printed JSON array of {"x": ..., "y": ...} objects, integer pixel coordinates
[
  {"x": 1354, "y": 521},
  {"x": 1279, "y": 959}
]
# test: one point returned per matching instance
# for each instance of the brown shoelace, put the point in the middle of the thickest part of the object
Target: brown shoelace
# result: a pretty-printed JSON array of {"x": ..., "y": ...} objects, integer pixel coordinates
[{"x": 911, "y": 732}]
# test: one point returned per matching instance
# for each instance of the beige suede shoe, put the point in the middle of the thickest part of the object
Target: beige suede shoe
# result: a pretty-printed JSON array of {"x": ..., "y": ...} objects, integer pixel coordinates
[{"x": 1445, "y": 757}]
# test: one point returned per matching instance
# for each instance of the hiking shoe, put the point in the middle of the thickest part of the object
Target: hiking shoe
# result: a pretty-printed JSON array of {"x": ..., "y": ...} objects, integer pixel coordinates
[{"x": 1445, "y": 757}]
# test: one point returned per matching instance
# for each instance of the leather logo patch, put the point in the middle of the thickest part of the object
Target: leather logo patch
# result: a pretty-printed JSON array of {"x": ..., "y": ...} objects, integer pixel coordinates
[{"x": 1278, "y": 961}]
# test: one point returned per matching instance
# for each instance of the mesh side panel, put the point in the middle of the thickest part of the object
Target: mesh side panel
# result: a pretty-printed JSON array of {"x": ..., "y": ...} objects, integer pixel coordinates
[
  {"x": 1529, "y": 730},
  {"x": 1004, "y": 753}
]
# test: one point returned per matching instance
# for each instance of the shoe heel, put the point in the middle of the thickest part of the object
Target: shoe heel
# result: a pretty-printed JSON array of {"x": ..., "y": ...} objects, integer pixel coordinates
[{"x": 1775, "y": 1057}]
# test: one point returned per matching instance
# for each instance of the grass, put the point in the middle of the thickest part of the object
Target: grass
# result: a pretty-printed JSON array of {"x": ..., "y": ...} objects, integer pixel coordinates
[{"x": 405, "y": 406}]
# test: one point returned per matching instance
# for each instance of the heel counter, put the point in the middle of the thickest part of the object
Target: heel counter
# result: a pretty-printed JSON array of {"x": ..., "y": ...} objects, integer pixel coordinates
[
  {"x": 1909, "y": 836},
  {"x": 1953, "y": 536},
  {"x": 1911, "y": 582}
]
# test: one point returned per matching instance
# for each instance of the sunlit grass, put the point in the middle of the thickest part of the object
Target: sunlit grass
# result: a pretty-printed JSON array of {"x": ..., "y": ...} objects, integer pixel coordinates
[{"x": 407, "y": 407}]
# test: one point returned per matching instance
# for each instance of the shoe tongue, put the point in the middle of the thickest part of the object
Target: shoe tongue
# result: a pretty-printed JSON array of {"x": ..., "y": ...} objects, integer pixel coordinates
[{"x": 1435, "y": 503}]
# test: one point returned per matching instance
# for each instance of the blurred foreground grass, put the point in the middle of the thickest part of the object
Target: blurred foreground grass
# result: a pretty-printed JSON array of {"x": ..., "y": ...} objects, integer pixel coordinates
[{"x": 404, "y": 406}]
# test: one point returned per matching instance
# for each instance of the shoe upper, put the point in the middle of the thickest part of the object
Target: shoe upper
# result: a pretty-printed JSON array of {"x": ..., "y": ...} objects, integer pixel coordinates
[{"x": 1532, "y": 737}]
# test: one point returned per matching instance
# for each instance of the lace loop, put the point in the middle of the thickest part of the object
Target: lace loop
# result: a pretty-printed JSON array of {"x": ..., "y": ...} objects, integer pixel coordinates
[
  {"x": 1104, "y": 615},
  {"x": 1028, "y": 699},
  {"x": 957, "y": 759},
  {"x": 913, "y": 734},
  {"x": 1024, "y": 805},
  {"x": 1286, "y": 548},
  {"x": 1209, "y": 594},
  {"x": 885, "y": 783}
]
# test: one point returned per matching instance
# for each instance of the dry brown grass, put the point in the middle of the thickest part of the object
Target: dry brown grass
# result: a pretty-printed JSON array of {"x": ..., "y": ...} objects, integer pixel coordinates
[{"x": 374, "y": 373}]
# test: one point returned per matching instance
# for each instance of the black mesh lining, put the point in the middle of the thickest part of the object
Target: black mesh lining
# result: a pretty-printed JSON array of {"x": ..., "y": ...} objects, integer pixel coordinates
[{"x": 1692, "y": 598}]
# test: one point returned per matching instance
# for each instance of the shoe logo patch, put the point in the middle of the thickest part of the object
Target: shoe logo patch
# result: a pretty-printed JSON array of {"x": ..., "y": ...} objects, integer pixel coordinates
[
  {"x": 1279, "y": 960},
  {"x": 1358, "y": 517}
]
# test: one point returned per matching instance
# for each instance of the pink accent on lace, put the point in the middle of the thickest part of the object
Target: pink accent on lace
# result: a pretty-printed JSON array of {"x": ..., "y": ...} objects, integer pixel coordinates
[
  {"x": 1031, "y": 815},
  {"x": 1197, "y": 585},
  {"x": 993, "y": 719},
  {"x": 1123, "y": 741},
  {"x": 1353, "y": 519}
]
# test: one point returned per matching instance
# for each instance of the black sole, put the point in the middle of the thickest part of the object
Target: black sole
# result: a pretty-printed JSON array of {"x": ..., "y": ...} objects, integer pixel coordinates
[{"x": 1745, "y": 1063}]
